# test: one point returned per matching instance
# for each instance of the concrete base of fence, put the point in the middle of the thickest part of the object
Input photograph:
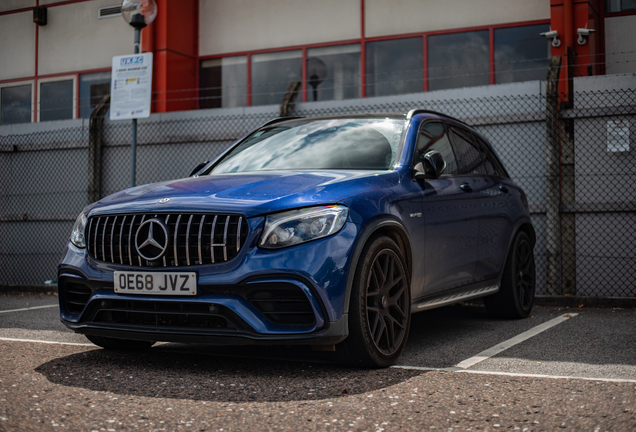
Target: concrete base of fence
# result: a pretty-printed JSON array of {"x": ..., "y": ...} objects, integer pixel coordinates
[
  {"x": 585, "y": 301},
  {"x": 28, "y": 289}
]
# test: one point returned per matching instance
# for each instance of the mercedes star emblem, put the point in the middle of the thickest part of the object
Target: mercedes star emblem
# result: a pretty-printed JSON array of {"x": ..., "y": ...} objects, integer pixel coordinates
[{"x": 151, "y": 240}]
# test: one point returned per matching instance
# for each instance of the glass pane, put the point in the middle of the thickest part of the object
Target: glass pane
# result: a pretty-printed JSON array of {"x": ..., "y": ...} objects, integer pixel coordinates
[
  {"x": 433, "y": 137},
  {"x": 333, "y": 73},
  {"x": 223, "y": 82},
  {"x": 394, "y": 67},
  {"x": 56, "y": 100},
  {"x": 458, "y": 60},
  {"x": 355, "y": 143},
  {"x": 16, "y": 104},
  {"x": 272, "y": 74},
  {"x": 93, "y": 87},
  {"x": 471, "y": 159},
  {"x": 619, "y": 5},
  {"x": 521, "y": 54}
]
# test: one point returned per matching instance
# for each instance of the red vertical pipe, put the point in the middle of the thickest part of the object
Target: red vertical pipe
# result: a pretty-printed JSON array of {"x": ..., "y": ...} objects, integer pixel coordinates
[
  {"x": 568, "y": 23},
  {"x": 491, "y": 48},
  {"x": 34, "y": 102},
  {"x": 363, "y": 54}
]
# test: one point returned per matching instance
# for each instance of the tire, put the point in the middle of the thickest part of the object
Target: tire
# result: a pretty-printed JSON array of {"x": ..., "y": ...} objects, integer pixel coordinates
[
  {"x": 380, "y": 311},
  {"x": 516, "y": 293},
  {"x": 119, "y": 344}
]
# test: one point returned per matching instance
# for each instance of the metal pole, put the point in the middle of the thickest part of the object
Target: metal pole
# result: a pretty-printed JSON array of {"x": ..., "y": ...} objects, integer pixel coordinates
[
  {"x": 552, "y": 178},
  {"x": 133, "y": 147}
]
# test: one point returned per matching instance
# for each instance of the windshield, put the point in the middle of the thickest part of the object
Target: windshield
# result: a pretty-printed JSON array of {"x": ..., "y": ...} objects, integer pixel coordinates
[{"x": 351, "y": 144}]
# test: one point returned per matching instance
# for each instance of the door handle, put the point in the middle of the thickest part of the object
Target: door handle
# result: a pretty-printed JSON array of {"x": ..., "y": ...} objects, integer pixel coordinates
[
  {"x": 503, "y": 188},
  {"x": 466, "y": 187}
]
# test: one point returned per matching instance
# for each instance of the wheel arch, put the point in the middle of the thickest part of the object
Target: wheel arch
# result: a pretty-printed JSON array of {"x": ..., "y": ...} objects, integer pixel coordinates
[{"x": 389, "y": 227}]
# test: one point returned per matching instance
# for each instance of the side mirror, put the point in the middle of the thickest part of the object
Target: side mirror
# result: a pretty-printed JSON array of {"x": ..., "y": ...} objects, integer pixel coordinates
[
  {"x": 432, "y": 166},
  {"x": 198, "y": 168}
]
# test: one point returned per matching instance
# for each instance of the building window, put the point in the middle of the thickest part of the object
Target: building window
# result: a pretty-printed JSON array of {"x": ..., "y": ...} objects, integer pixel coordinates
[
  {"x": 93, "y": 87},
  {"x": 458, "y": 60},
  {"x": 15, "y": 104},
  {"x": 223, "y": 82},
  {"x": 272, "y": 74},
  {"x": 394, "y": 67},
  {"x": 333, "y": 73},
  {"x": 56, "y": 100},
  {"x": 521, "y": 54},
  {"x": 619, "y": 5}
]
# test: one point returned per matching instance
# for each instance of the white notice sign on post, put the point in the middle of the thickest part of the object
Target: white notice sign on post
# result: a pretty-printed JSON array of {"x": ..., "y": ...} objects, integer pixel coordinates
[{"x": 131, "y": 86}]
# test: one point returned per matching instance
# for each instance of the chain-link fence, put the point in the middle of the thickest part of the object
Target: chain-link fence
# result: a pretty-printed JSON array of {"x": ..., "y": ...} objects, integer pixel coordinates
[{"x": 575, "y": 162}]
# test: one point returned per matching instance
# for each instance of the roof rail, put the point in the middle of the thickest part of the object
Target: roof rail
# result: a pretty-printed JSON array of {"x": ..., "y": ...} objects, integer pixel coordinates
[
  {"x": 411, "y": 113},
  {"x": 278, "y": 120}
]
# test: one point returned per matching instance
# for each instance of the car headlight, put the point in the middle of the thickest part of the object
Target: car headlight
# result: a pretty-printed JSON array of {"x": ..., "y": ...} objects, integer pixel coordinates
[
  {"x": 302, "y": 225},
  {"x": 77, "y": 236}
]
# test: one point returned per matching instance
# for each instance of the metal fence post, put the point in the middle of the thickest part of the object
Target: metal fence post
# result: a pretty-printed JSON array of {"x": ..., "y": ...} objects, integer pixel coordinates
[
  {"x": 95, "y": 150},
  {"x": 553, "y": 253}
]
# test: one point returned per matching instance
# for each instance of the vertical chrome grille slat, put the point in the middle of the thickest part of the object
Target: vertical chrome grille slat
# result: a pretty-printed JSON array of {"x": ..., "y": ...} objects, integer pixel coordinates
[
  {"x": 212, "y": 237},
  {"x": 199, "y": 238},
  {"x": 112, "y": 232},
  {"x": 121, "y": 233},
  {"x": 227, "y": 225},
  {"x": 164, "y": 255},
  {"x": 88, "y": 239},
  {"x": 176, "y": 237},
  {"x": 106, "y": 241},
  {"x": 238, "y": 235},
  {"x": 95, "y": 242},
  {"x": 188, "y": 239},
  {"x": 143, "y": 218},
  {"x": 132, "y": 223}
]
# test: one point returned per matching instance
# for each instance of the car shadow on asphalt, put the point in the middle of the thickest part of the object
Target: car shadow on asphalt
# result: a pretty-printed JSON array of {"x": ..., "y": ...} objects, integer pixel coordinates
[{"x": 168, "y": 373}]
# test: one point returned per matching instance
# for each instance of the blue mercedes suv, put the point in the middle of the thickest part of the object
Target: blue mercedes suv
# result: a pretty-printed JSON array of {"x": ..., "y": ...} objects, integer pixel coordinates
[{"x": 325, "y": 231}]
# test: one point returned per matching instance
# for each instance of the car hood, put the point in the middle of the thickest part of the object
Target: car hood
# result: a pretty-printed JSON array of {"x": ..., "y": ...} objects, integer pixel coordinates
[{"x": 250, "y": 194}]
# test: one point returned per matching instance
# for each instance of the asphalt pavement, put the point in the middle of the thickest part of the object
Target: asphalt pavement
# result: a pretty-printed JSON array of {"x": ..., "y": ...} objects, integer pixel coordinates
[{"x": 572, "y": 369}]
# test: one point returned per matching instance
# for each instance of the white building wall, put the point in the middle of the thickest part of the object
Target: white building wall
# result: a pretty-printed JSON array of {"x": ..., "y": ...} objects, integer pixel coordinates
[
  {"x": 6, "y": 5},
  {"x": 619, "y": 38},
  {"x": 17, "y": 49},
  {"x": 74, "y": 39},
  {"x": 385, "y": 18},
  {"x": 227, "y": 26}
]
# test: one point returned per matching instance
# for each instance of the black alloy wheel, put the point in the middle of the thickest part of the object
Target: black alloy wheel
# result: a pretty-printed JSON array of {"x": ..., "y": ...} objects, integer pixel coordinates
[
  {"x": 518, "y": 282},
  {"x": 380, "y": 309}
]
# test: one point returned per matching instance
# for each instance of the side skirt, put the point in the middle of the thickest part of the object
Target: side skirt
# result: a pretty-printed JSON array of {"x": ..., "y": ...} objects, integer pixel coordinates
[{"x": 446, "y": 298}]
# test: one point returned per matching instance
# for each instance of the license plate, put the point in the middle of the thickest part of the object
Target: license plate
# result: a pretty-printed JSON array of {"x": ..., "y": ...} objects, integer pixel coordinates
[{"x": 156, "y": 283}]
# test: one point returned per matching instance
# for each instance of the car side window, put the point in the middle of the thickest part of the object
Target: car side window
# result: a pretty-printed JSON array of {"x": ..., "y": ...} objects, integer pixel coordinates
[
  {"x": 472, "y": 160},
  {"x": 433, "y": 136},
  {"x": 493, "y": 167}
]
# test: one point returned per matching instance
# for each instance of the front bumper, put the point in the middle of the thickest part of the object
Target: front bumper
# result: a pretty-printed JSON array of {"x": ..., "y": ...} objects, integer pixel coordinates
[{"x": 292, "y": 295}]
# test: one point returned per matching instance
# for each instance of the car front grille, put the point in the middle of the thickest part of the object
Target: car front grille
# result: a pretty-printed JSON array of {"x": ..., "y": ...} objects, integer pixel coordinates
[
  {"x": 284, "y": 304},
  {"x": 165, "y": 314},
  {"x": 192, "y": 239}
]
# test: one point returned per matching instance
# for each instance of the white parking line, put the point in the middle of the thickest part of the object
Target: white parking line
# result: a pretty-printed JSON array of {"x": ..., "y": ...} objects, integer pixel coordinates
[
  {"x": 512, "y": 342},
  {"x": 46, "y": 342},
  {"x": 29, "y": 308},
  {"x": 514, "y": 374}
]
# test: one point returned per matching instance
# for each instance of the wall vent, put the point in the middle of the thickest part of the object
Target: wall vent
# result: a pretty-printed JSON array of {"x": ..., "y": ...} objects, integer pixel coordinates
[{"x": 109, "y": 12}]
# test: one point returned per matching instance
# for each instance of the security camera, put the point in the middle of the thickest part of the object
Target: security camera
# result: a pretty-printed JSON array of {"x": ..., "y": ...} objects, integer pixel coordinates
[
  {"x": 554, "y": 35},
  {"x": 584, "y": 33}
]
